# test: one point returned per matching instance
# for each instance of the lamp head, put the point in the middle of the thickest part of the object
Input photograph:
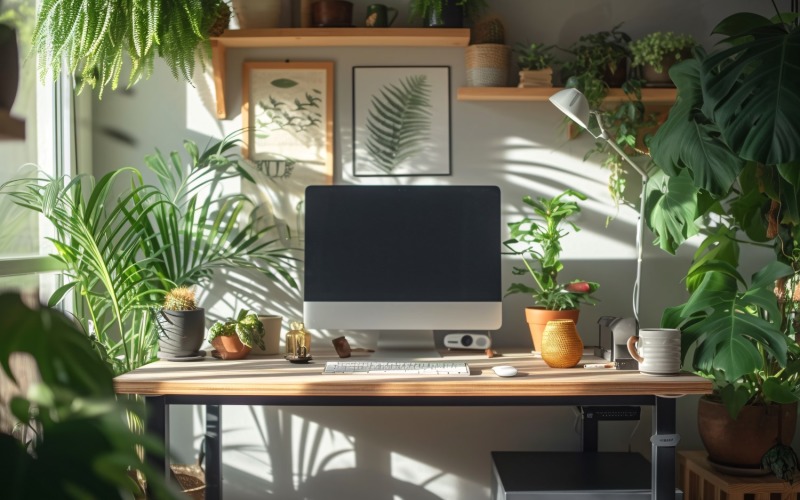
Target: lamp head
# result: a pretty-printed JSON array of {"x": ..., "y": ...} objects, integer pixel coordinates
[{"x": 573, "y": 103}]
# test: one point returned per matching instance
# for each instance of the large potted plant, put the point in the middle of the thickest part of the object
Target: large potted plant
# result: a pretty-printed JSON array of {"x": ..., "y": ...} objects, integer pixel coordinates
[
  {"x": 124, "y": 242},
  {"x": 537, "y": 240},
  {"x": 96, "y": 38},
  {"x": 728, "y": 154}
]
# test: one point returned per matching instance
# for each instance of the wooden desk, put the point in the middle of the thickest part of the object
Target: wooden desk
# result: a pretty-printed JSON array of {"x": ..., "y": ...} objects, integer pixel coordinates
[{"x": 272, "y": 381}]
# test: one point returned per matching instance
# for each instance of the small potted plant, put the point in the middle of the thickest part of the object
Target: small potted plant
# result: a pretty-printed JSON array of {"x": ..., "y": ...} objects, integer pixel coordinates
[
  {"x": 537, "y": 240},
  {"x": 235, "y": 337},
  {"x": 600, "y": 61},
  {"x": 535, "y": 61},
  {"x": 446, "y": 13},
  {"x": 656, "y": 52},
  {"x": 181, "y": 324}
]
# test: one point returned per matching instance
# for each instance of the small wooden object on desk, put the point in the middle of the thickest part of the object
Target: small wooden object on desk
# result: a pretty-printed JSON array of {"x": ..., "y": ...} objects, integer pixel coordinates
[{"x": 698, "y": 479}]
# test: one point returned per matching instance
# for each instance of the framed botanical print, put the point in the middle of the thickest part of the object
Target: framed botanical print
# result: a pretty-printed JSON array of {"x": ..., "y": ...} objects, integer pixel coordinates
[
  {"x": 401, "y": 120},
  {"x": 287, "y": 116}
]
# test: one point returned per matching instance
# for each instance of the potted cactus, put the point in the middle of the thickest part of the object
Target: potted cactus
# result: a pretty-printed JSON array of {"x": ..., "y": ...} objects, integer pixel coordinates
[
  {"x": 181, "y": 325},
  {"x": 235, "y": 337}
]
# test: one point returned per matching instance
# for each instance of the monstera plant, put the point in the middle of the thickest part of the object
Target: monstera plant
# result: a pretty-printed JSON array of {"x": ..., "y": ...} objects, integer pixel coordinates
[{"x": 730, "y": 169}]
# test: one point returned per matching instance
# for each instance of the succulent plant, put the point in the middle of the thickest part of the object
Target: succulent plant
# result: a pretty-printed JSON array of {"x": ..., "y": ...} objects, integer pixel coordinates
[
  {"x": 246, "y": 326},
  {"x": 180, "y": 299}
]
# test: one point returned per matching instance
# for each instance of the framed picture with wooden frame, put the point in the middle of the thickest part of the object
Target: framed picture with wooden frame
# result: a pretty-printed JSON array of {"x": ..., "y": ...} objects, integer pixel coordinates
[
  {"x": 287, "y": 117},
  {"x": 401, "y": 120}
]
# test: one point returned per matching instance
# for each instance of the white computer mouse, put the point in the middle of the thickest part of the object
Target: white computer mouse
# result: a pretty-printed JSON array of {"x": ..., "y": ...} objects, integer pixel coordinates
[{"x": 504, "y": 371}]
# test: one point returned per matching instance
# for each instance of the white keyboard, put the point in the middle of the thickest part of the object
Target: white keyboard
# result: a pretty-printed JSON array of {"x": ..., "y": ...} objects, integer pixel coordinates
[{"x": 397, "y": 367}]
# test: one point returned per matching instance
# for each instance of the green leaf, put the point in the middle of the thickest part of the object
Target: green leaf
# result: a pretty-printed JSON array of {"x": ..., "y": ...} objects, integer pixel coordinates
[
  {"x": 779, "y": 391},
  {"x": 671, "y": 210},
  {"x": 734, "y": 397},
  {"x": 59, "y": 293},
  {"x": 688, "y": 140},
  {"x": 283, "y": 83},
  {"x": 752, "y": 90}
]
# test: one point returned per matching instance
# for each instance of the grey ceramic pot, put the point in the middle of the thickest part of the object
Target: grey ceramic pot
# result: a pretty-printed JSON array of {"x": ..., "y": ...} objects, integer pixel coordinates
[{"x": 180, "y": 333}]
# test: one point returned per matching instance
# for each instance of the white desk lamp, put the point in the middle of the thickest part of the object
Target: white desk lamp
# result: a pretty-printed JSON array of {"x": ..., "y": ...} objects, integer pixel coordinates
[{"x": 573, "y": 103}]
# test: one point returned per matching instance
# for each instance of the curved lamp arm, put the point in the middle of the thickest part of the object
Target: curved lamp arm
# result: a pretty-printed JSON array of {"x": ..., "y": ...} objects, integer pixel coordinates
[{"x": 574, "y": 104}]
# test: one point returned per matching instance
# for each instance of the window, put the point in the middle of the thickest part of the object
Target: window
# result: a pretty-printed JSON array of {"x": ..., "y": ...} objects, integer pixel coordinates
[{"x": 47, "y": 148}]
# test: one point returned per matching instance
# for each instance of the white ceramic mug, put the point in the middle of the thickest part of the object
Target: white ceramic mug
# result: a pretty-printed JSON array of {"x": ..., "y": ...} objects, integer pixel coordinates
[
  {"x": 272, "y": 334},
  {"x": 658, "y": 351}
]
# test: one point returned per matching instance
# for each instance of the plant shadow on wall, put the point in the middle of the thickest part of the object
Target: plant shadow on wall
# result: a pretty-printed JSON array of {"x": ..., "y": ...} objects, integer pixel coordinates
[
  {"x": 728, "y": 155},
  {"x": 124, "y": 242}
]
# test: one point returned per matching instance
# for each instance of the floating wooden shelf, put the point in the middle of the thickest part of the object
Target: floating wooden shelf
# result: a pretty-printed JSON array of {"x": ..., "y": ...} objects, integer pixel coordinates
[
  {"x": 10, "y": 127},
  {"x": 325, "y": 37},
  {"x": 649, "y": 96}
]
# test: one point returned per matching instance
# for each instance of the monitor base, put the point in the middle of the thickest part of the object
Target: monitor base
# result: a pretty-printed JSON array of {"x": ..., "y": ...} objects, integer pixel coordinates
[{"x": 406, "y": 345}]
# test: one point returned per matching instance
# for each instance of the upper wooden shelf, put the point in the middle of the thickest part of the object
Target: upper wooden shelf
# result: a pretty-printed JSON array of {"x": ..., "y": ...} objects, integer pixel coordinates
[
  {"x": 10, "y": 127},
  {"x": 649, "y": 96},
  {"x": 325, "y": 37}
]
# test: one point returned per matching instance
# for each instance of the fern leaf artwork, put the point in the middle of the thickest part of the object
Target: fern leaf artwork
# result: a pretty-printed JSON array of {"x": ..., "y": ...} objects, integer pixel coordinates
[{"x": 399, "y": 121}]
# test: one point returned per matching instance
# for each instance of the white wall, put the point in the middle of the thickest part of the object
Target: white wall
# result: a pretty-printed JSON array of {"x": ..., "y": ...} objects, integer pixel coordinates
[{"x": 419, "y": 453}]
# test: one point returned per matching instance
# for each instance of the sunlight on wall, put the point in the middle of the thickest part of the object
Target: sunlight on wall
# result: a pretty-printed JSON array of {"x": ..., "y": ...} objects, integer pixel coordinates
[{"x": 438, "y": 482}]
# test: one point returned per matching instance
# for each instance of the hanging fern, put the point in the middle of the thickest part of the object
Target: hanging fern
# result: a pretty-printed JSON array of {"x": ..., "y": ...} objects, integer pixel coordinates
[
  {"x": 94, "y": 37},
  {"x": 399, "y": 121}
]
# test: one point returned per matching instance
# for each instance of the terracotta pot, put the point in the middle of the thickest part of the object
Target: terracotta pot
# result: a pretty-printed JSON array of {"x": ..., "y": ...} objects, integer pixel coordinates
[
  {"x": 742, "y": 442},
  {"x": 230, "y": 347},
  {"x": 332, "y": 13},
  {"x": 655, "y": 78},
  {"x": 538, "y": 317}
]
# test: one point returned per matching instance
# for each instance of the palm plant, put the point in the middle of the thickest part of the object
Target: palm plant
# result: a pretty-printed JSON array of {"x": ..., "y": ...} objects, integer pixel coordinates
[
  {"x": 399, "y": 121},
  {"x": 94, "y": 37},
  {"x": 123, "y": 252}
]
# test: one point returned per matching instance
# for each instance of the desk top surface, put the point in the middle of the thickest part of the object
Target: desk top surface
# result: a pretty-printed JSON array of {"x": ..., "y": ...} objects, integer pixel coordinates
[{"x": 274, "y": 376}]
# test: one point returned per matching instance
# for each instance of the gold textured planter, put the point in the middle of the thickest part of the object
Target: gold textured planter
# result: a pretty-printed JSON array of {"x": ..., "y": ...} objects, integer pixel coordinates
[{"x": 562, "y": 347}]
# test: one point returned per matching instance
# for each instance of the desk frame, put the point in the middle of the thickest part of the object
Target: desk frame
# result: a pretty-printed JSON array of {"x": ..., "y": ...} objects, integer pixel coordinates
[{"x": 663, "y": 422}]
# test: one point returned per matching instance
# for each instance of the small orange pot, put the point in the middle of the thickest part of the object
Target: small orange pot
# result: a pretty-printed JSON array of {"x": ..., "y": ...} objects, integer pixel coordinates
[
  {"x": 230, "y": 347},
  {"x": 538, "y": 317}
]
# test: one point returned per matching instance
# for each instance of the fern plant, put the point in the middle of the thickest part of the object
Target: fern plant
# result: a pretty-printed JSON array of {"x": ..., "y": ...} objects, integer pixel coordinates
[
  {"x": 399, "y": 121},
  {"x": 94, "y": 37}
]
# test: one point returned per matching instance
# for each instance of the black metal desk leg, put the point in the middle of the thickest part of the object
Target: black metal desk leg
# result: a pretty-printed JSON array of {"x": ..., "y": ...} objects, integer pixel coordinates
[
  {"x": 664, "y": 441},
  {"x": 213, "y": 452},
  {"x": 157, "y": 425}
]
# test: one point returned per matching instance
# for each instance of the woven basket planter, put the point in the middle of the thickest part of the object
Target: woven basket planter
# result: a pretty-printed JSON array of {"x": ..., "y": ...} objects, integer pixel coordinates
[
  {"x": 561, "y": 345},
  {"x": 487, "y": 65}
]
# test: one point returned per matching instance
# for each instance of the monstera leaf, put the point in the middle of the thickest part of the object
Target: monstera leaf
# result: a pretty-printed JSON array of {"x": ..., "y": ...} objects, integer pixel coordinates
[
  {"x": 671, "y": 210},
  {"x": 399, "y": 122},
  {"x": 688, "y": 140},
  {"x": 732, "y": 332},
  {"x": 752, "y": 89}
]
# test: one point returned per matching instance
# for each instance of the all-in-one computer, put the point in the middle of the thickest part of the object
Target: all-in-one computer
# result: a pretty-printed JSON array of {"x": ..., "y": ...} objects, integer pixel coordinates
[{"x": 404, "y": 261}]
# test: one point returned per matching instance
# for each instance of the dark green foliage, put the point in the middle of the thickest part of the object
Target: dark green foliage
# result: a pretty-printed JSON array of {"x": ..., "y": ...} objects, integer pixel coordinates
[
  {"x": 82, "y": 446},
  {"x": 399, "y": 121}
]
